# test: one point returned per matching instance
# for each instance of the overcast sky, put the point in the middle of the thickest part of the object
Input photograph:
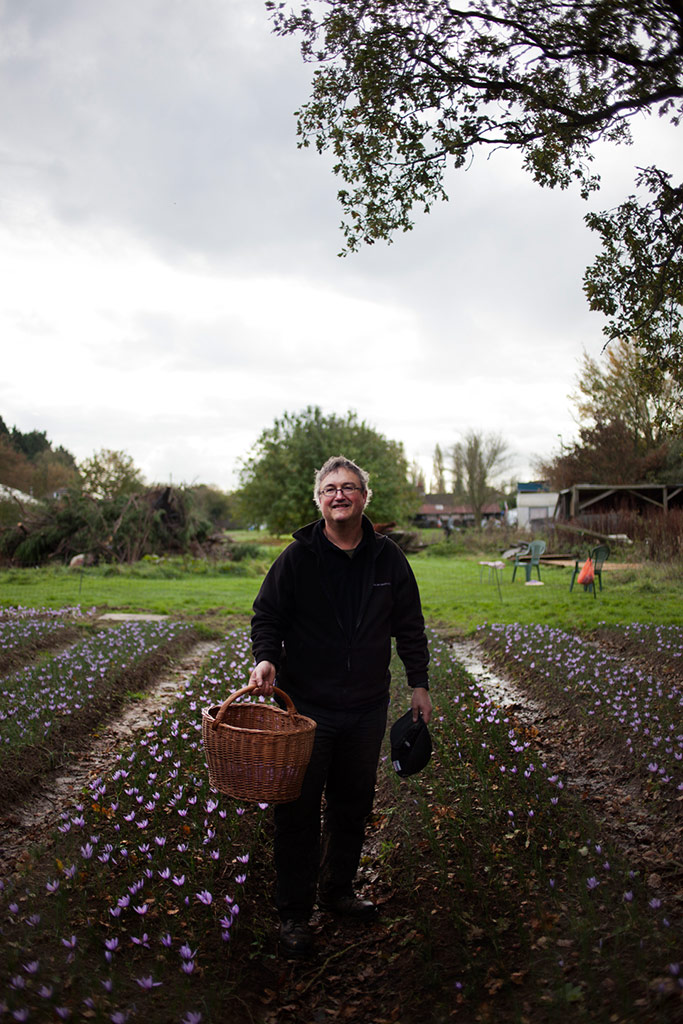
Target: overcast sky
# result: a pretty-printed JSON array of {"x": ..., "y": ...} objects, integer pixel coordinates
[{"x": 168, "y": 257}]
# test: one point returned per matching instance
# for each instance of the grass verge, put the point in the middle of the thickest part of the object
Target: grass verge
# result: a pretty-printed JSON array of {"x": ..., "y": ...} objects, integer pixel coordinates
[{"x": 457, "y": 593}]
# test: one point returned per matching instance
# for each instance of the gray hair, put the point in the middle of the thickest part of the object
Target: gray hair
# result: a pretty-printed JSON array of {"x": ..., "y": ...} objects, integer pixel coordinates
[{"x": 334, "y": 463}]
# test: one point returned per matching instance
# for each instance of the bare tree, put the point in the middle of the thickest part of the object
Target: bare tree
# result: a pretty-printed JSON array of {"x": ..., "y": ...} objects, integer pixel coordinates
[{"x": 480, "y": 458}]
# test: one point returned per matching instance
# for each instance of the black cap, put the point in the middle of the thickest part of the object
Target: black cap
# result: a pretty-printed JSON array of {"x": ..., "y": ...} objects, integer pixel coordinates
[{"x": 411, "y": 745}]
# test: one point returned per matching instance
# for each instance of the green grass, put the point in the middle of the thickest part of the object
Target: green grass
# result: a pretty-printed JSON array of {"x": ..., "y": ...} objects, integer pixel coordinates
[
  {"x": 456, "y": 595},
  {"x": 191, "y": 594}
]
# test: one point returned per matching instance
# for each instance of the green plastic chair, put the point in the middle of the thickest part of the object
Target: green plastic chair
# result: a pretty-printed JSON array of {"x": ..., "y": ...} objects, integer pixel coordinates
[
  {"x": 533, "y": 554},
  {"x": 599, "y": 555}
]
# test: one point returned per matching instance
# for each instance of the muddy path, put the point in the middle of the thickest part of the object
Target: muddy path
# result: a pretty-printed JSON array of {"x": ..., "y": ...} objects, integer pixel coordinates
[{"x": 29, "y": 824}]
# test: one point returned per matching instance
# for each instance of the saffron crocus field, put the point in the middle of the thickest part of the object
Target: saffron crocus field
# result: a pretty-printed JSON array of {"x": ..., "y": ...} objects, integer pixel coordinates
[
  {"x": 131, "y": 911},
  {"x": 514, "y": 882},
  {"x": 624, "y": 702},
  {"x": 44, "y": 704},
  {"x": 24, "y": 631}
]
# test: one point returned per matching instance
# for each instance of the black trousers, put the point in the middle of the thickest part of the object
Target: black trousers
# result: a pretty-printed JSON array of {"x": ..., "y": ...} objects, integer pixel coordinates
[{"x": 343, "y": 767}]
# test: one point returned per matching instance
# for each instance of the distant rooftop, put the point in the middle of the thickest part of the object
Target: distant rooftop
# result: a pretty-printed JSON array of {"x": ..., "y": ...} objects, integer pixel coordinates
[
  {"x": 533, "y": 487},
  {"x": 8, "y": 493}
]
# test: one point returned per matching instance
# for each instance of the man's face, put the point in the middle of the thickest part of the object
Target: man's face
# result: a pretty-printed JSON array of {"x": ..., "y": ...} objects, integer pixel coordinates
[{"x": 341, "y": 507}]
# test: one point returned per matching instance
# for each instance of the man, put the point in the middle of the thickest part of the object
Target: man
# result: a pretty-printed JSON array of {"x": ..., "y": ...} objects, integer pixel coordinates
[{"x": 323, "y": 622}]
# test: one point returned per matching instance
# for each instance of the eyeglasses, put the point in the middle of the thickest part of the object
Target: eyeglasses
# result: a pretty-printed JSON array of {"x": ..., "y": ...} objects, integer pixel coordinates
[{"x": 330, "y": 491}]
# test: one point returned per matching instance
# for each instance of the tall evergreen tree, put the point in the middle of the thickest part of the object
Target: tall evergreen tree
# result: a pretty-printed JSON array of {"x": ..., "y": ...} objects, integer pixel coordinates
[{"x": 438, "y": 471}]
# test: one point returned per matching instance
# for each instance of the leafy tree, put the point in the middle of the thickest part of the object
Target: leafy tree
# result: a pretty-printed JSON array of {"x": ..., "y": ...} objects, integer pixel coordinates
[
  {"x": 277, "y": 477},
  {"x": 483, "y": 457},
  {"x": 122, "y": 528},
  {"x": 63, "y": 455},
  {"x": 52, "y": 472},
  {"x": 30, "y": 444},
  {"x": 637, "y": 280},
  {"x": 402, "y": 90},
  {"x": 672, "y": 471},
  {"x": 15, "y": 469},
  {"x": 109, "y": 474},
  {"x": 215, "y": 506},
  {"x": 624, "y": 386},
  {"x": 29, "y": 463},
  {"x": 631, "y": 416},
  {"x": 604, "y": 454}
]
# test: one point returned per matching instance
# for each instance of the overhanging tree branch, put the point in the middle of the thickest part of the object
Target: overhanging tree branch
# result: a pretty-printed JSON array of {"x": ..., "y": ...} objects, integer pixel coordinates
[{"x": 403, "y": 90}]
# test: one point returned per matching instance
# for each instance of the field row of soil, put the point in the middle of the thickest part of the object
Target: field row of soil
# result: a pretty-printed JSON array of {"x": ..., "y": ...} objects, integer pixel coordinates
[
  {"x": 413, "y": 964},
  {"x": 378, "y": 975}
]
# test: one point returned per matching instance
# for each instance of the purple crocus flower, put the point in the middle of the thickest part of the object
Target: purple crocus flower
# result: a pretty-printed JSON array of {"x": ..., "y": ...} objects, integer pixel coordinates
[{"x": 148, "y": 983}]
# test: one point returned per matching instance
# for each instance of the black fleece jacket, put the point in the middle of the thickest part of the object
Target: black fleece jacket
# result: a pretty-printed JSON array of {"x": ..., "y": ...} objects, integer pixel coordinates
[{"x": 326, "y": 621}]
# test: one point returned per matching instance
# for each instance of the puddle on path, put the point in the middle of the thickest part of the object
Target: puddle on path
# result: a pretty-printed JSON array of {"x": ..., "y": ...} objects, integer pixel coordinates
[
  {"x": 504, "y": 692},
  {"x": 32, "y": 821},
  {"x": 598, "y": 774},
  {"x": 132, "y": 617}
]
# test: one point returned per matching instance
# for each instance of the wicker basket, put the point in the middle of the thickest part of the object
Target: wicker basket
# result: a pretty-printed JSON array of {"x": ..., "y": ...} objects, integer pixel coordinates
[{"x": 257, "y": 752}]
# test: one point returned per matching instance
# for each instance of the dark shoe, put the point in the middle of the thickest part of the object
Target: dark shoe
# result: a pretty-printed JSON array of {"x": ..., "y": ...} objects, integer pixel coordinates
[
  {"x": 350, "y": 906},
  {"x": 295, "y": 938}
]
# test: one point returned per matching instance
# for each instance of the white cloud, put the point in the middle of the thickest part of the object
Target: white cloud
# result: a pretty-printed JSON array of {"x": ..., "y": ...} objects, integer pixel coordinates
[{"x": 168, "y": 256}]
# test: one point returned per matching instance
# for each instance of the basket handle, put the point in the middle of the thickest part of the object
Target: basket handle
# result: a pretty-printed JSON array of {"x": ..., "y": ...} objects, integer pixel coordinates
[{"x": 222, "y": 711}]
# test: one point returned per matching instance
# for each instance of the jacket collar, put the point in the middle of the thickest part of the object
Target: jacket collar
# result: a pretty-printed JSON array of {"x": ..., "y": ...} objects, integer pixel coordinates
[{"x": 311, "y": 535}]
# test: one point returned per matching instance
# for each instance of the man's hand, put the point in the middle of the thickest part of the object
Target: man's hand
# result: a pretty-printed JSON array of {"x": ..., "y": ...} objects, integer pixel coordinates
[
  {"x": 263, "y": 678},
  {"x": 421, "y": 702}
]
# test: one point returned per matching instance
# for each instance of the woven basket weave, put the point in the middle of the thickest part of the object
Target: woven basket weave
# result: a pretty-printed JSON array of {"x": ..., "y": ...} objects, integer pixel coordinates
[{"x": 257, "y": 752}]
